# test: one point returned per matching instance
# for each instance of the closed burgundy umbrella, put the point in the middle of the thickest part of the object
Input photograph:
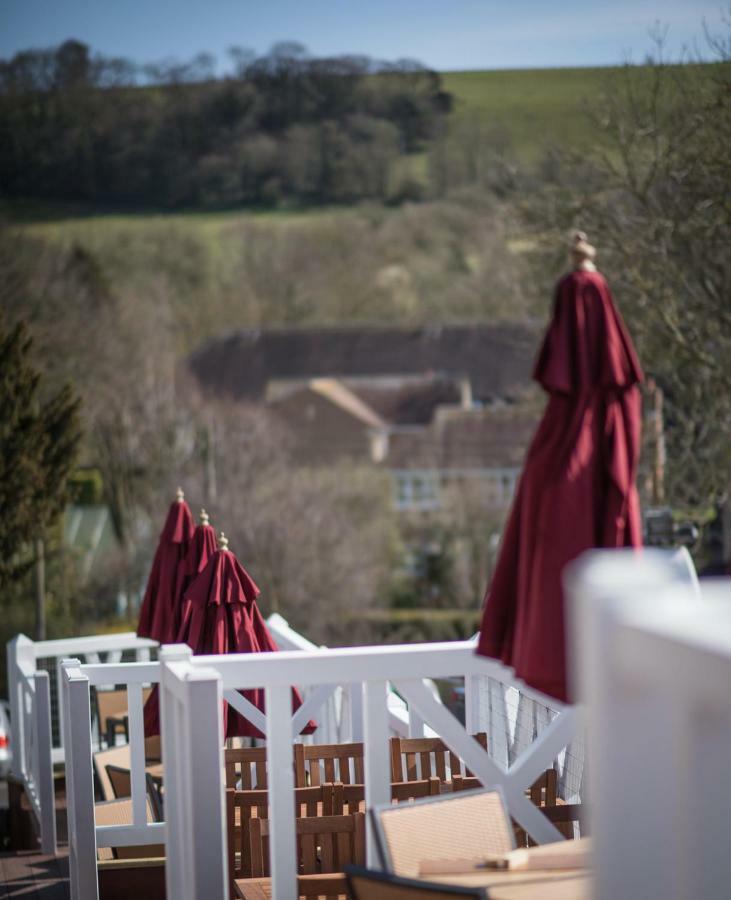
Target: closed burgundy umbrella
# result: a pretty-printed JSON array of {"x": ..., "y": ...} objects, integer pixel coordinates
[
  {"x": 201, "y": 547},
  {"x": 157, "y": 611},
  {"x": 577, "y": 489},
  {"x": 223, "y": 617}
]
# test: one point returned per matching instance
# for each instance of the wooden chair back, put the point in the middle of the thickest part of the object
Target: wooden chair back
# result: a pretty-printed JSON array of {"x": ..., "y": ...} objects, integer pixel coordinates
[
  {"x": 350, "y": 798},
  {"x": 120, "y": 780},
  {"x": 316, "y": 764},
  {"x": 110, "y": 704},
  {"x": 416, "y": 758},
  {"x": 246, "y": 768},
  {"x": 243, "y": 806},
  {"x": 451, "y": 826},
  {"x": 115, "y": 756},
  {"x": 324, "y": 844}
]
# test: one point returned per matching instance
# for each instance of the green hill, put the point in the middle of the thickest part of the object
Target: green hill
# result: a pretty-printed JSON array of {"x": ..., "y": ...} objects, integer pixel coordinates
[{"x": 534, "y": 109}]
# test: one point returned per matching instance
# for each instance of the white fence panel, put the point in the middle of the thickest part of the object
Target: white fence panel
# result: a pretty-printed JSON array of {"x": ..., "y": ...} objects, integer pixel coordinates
[
  {"x": 372, "y": 668},
  {"x": 654, "y": 664},
  {"x": 30, "y": 736}
]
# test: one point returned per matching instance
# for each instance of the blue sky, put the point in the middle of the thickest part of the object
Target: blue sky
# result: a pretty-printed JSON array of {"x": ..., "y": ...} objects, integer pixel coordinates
[{"x": 445, "y": 34}]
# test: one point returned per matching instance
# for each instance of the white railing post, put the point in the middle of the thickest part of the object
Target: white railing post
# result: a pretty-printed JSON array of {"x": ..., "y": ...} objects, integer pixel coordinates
[
  {"x": 79, "y": 783},
  {"x": 191, "y": 711},
  {"x": 43, "y": 775},
  {"x": 377, "y": 757},
  {"x": 472, "y": 685},
  {"x": 20, "y": 656},
  {"x": 355, "y": 696},
  {"x": 282, "y": 839}
]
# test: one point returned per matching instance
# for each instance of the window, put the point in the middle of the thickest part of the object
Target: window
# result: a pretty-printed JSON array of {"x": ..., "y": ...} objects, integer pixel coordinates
[{"x": 416, "y": 490}]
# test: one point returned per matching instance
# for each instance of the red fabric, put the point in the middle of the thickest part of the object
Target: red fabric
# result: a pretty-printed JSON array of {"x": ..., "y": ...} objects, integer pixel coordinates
[
  {"x": 157, "y": 611},
  {"x": 201, "y": 548},
  {"x": 223, "y": 617},
  {"x": 577, "y": 489}
]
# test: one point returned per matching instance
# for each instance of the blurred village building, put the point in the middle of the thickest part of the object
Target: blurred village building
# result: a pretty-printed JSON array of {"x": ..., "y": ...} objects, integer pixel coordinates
[
  {"x": 445, "y": 413},
  {"x": 433, "y": 407}
]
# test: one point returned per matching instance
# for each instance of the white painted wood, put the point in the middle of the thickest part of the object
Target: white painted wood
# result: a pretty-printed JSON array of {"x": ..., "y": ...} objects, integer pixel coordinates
[
  {"x": 355, "y": 695},
  {"x": 310, "y": 708},
  {"x": 376, "y": 757},
  {"x": 247, "y": 709},
  {"x": 138, "y": 785},
  {"x": 44, "y": 770},
  {"x": 653, "y": 663},
  {"x": 282, "y": 840},
  {"x": 80, "y": 784},
  {"x": 328, "y": 666},
  {"x": 204, "y": 752},
  {"x": 130, "y": 835}
]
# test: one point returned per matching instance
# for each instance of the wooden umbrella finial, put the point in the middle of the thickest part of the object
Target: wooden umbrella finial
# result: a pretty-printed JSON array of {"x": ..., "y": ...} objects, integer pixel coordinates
[
  {"x": 180, "y": 495},
  {"x": 205, "y": 519},
  {"x": 222, "y": 541}
]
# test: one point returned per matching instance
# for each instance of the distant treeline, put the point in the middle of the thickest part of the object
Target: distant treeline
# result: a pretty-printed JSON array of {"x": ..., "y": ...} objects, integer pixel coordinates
[{"x": 76, "y": 126}]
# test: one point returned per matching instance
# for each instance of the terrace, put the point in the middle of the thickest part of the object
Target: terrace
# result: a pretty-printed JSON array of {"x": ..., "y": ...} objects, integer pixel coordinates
[{"x": 652, "y": 661}]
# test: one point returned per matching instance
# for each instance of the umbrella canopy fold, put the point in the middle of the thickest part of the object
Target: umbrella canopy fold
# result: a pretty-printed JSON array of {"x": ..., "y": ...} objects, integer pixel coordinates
[
  {"x": 158, "y": 606},
  {"x": 577, "y": 489},
  {"x": 201, "y": 547}
]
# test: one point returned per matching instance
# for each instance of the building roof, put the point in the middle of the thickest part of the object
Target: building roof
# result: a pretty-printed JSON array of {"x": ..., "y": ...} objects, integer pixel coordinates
[
  {"x": 492, "y": 437},
  {"x": 497, "y": 359}
]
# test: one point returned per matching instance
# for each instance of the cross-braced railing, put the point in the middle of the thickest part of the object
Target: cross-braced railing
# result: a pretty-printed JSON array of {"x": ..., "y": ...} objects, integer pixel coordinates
[{"x": 198, "y": 836}]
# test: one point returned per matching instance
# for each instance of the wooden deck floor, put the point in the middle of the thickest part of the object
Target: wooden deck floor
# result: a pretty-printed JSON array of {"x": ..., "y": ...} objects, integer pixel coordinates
[{"x": 33, "y": 876}]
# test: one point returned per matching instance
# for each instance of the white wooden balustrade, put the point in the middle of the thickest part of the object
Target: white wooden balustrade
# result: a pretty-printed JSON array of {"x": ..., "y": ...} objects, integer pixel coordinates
[
  {"x": 193, "y": 831},
  {"x": 199, "y": 837},
  {"x": 30, "y": 722}
]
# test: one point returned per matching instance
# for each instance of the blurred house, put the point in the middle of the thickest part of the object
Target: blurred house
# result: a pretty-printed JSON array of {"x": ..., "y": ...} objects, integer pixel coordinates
[{"x": 436, "y": 408}]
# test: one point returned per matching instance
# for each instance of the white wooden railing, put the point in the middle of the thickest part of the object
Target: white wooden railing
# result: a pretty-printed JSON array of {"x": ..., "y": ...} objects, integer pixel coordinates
[
  {"x": 47, "y": 656},
  {"x": 188, "y": 688},
  {"x": 30, "y": 722},
  {"x": 191, "y": 688}
]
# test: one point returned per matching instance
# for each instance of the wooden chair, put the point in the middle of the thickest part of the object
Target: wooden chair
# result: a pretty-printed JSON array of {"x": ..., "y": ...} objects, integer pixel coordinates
[
  {"x": 246, "y": 768},
  {"x": 415, "y": 758},
  {"x": 451, "y": 826},
  {"x": 111, "y": 712},
  {"x": 365, "y": 884},
  {"x": 243, "y": 806},
  {"x": 120, "y": 780},
  {"x": 316, "y": 764},
  {"x": 115, "y": 756},
  {"x": 350, "y": 798},
  {"x": 119, "y": 812},
  {"x": 324, "y": 844}
]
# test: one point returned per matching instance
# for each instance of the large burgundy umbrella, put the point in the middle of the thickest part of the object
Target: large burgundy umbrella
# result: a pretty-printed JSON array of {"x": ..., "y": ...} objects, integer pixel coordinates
[
  {"x": 577, "y": 489},
  {"x": 157, "y": 611},
  {"x": 223, "y": 617}
]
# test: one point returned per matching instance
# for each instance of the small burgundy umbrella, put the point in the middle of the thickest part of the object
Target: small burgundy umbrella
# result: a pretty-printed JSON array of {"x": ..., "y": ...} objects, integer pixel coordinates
[
  {"x": 223, "y": 617},
  {"x": 200, "y": 549},
  {"x": 157, "y": 610},
  {"x": 577, "y": 489}
]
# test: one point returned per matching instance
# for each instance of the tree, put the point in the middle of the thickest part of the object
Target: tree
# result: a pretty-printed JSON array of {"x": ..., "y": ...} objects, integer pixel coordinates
[{"x": 38, "y": 445}]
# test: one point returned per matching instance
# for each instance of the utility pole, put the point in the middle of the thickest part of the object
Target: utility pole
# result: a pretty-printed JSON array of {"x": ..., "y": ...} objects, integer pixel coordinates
[{"x": 40, "y": 581}]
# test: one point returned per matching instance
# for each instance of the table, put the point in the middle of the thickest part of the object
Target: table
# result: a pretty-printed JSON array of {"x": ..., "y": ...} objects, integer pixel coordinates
[{"x": 533, "y": 884}]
